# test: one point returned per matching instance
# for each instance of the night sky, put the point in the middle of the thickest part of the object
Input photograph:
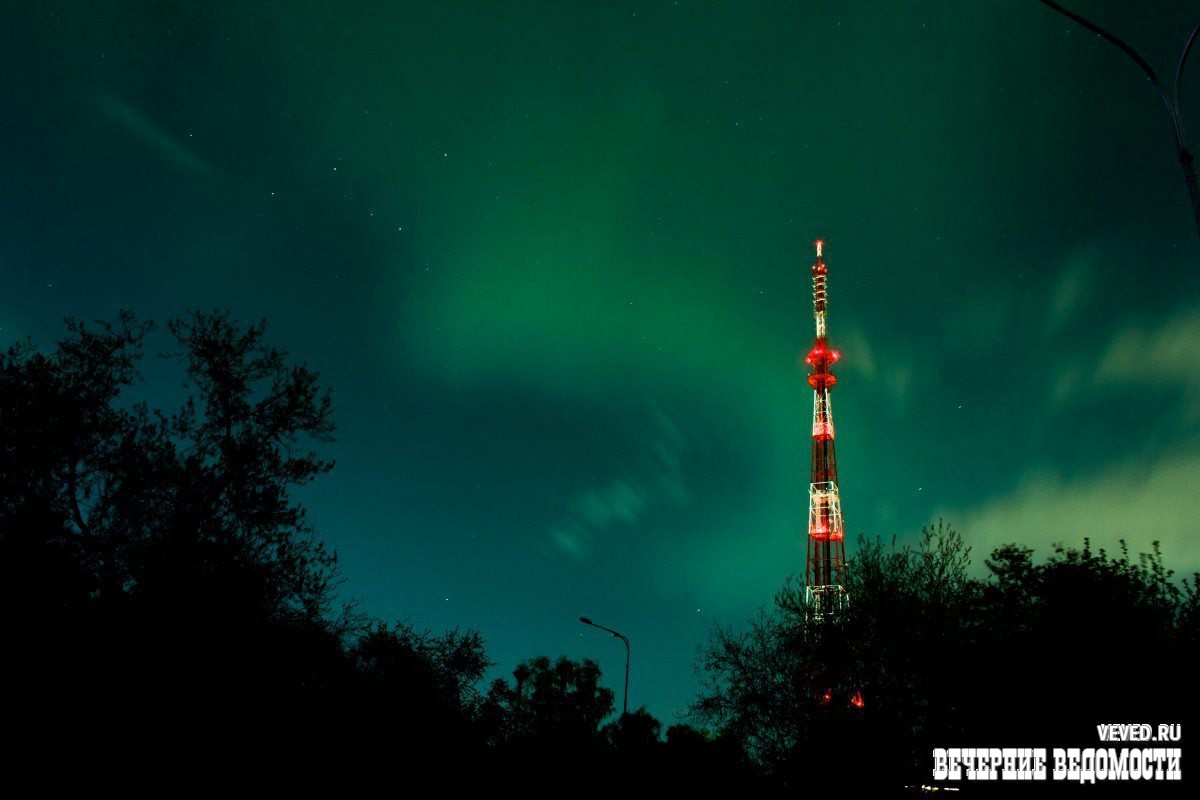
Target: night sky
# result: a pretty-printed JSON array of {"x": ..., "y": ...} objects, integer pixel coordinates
[{"x": 553, "y": 259}]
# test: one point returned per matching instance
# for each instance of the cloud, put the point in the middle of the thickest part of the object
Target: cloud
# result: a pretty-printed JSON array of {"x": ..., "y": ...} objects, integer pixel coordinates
[
  {"x": 899, "y": 383},
  {"x": 570, "y": 539},
  {"x": 860, "y": 358},
  {"x": 619, "y": 501},
  {"x": 1167, "y": 355},
  {"x": 1067, "y": 381},
  {"x": 625, "y": 499},
  {"x": 667, "y": 454},
  {"x": 1069, "y": 290},
  {"x": 171, "y": 149},
  {"x": 1141, "y": 498},
  {"x": 1137, "y": 502},
  {"x": 895, "y": 378}
]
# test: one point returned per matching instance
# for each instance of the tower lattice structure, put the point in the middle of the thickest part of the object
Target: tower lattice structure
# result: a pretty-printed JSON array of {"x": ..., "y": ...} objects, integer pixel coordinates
[{"x": 825, "y": 588}]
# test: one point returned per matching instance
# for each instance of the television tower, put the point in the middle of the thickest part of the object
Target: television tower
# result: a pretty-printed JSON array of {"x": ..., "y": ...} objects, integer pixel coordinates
[
  {"x": 825, "y": 592},
  {"x": 825, "y": 585}
]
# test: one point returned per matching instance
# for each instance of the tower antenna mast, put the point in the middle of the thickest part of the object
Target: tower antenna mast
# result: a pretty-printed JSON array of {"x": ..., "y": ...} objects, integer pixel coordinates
[{"x": 825, "y": 588}]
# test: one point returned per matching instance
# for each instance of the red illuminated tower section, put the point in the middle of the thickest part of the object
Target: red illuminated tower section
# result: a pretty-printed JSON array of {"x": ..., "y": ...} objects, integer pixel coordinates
[{"x": 825, "y": 592}]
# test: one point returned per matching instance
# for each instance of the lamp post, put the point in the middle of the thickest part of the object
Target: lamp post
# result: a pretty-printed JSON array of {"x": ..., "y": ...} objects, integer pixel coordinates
[
  {"x": 624, "y": 639},
  {"x": 1171, "y": 101}
]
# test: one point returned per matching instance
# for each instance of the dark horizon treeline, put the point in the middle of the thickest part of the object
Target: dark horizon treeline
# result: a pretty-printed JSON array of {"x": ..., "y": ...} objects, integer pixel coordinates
[
  {"x": 1032, "y": 655},
  {"x": 163, "y": 597},
  {"x": 165, "y": 600}
]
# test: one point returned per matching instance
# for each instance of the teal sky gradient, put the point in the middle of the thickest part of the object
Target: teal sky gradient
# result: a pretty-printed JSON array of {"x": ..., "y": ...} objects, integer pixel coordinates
[{"x": 553, "y": 260}]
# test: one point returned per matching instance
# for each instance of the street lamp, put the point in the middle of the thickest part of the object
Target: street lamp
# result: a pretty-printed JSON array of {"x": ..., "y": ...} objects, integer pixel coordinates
[
  {"x": 624, "y": 639},
  {"x": 1170, "y": 101}
]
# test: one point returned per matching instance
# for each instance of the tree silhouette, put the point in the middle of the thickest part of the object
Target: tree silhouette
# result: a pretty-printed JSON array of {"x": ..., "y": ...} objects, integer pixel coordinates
[
  {"x": 944, "y": 658},
  {"x": 635, "y": 732},
  {"x": 161, "y": 591},
  {"x": 547, "y": 734},
  {"x": 157, "y": 578},
  {"x": 559, "y": 703}
]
